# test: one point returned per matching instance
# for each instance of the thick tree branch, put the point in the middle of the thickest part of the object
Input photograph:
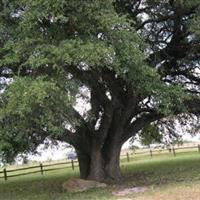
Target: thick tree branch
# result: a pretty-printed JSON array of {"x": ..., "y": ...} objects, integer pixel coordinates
[
  {"x": 105, "y": 123},
  {"x": 67, "y": 136},
  {"x": 90, "y": 79},
  {"x": 141, "y": 122}
]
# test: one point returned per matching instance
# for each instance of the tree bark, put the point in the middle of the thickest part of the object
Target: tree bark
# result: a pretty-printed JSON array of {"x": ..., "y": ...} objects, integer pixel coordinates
[
  {"x": 91, "y": 165},
  {"x": 113, "y": 165},
  {"x": 102, "y": 161},
  {"x": 97, "y": 170},
  {"x": 84, "y": 164},
  {"x": 98, "y": 166},
  {"x": 112, "y": 160}
]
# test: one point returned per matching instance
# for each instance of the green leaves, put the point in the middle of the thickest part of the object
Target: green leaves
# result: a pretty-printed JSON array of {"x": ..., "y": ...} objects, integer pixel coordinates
[
  {"x": 188, "y": 4},
  {"x": 26, "y": 96},
  {"x": 72, "y": 52},
  {"x": 31, "y": 110},
  {"x": 53, "y": 46},
  {"x": 150, "y": 134},
  {"x": 169, "y": 100}
]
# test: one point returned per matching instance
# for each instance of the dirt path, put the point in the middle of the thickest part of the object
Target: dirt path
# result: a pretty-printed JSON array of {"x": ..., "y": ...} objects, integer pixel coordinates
[{"x": 190, "y": 192}]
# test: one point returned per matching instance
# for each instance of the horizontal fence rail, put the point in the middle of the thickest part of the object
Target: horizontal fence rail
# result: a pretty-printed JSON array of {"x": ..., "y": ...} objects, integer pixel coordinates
[
  {"x": 153, "y": 153},
  {"x": 42, "y": 168}
]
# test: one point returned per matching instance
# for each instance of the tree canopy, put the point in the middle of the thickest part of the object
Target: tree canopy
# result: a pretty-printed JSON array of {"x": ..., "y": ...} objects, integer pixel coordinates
[{"x": 139, "y": 61}]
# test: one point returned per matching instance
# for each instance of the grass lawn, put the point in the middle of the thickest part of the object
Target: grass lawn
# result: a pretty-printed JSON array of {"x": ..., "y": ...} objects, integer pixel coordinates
[{"x": 167, "y": 178}]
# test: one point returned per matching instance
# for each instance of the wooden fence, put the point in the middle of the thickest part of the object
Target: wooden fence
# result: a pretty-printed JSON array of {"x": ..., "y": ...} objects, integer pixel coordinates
[
  {"x": 174, "y": 151},
  {"x": 41, "y": 168}
]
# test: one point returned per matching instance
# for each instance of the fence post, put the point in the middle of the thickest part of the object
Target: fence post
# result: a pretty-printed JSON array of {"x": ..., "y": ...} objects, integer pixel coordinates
[
  {"x": 41, "y": 169},
  {"x": 5, "y": 174},
  {"x": 127, "y": 156},
  {"x": 72, "y": 165},
  {"x": 174, "y": 151},
  {"x": 199, "y": 148},
  {"x": 151, "y": 153}
]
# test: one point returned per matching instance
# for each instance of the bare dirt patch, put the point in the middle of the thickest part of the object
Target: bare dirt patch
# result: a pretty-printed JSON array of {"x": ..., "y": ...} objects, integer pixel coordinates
[
  {"x": 129, "y": 191},
  {"x": 191, "y": 192}
]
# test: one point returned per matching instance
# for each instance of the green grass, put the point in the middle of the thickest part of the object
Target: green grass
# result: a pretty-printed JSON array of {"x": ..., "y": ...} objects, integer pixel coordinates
[
  {"x": 165, "y": 169},
  {"x": 160, "y": 171}
]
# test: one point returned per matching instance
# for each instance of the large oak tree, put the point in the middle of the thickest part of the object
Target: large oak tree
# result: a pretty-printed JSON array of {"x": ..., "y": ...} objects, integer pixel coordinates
[{"x": 137, "y": 60}]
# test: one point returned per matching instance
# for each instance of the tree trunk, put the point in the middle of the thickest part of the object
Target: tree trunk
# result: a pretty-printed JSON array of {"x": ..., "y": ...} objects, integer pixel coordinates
[
  {"x": 113, "y": 166},
  {"x": 101, "y": 161},
  {"x": 97, "y": 170},
  {"x": 112, "y": 160},
  {"x": 84, "y": 164},
  {"x": 91, "y": 166}
]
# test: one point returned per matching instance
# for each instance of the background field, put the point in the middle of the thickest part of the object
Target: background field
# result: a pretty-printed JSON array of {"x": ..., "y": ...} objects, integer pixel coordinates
[
  {"x": 11, "y": 171},
  {"x": 166, "y": 176}
]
